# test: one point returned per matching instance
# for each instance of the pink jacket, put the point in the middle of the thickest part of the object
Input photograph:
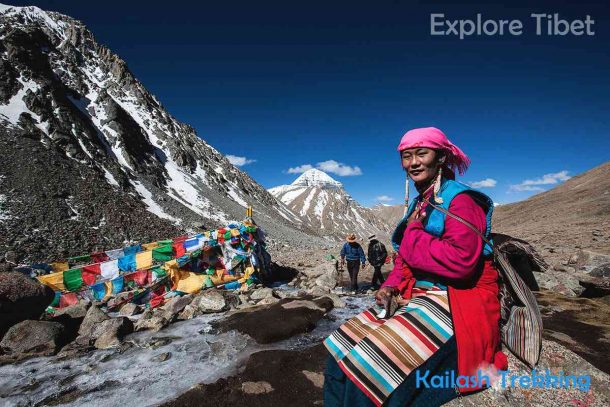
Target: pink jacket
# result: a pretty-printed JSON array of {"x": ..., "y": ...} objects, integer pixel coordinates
[{"x": 454, "y": 255}]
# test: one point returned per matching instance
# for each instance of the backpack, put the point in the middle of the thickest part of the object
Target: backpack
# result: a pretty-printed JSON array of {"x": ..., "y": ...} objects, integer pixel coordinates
[
  {"x": 520, "y": 319},
  {"x": 377, "y": 254}
]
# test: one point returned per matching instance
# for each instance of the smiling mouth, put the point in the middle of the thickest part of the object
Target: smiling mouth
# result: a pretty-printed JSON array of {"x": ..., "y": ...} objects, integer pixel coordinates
[{"x": 416, "y": 172}]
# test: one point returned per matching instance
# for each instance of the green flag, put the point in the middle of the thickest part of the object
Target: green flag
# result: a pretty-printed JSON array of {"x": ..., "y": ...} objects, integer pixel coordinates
[
  {"x": 73, "y": 279},
  {"x": 163, "y": 253}
]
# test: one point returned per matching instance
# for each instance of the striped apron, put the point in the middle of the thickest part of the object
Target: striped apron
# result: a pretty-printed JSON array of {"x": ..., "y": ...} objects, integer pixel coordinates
[{"x": 378, "y": 354}]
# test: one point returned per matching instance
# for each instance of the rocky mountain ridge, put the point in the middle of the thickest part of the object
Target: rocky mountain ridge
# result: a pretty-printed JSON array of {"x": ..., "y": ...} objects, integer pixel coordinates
[{"x": 107, "y": 140}]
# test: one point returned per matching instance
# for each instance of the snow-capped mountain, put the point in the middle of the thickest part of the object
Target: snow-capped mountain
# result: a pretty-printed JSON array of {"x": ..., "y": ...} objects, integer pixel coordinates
[
  {"x": 316, "y": 178},
  {"x": 327, "y": 208},
  {"x": 91, "y": 154}
]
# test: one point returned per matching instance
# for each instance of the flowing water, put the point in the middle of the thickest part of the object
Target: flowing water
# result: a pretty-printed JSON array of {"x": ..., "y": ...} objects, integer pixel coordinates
[{"x": 157, "y": 367}]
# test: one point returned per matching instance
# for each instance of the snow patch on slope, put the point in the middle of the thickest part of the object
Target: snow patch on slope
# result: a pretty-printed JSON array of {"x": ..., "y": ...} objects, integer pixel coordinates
[{"x": 151, "y": 205}]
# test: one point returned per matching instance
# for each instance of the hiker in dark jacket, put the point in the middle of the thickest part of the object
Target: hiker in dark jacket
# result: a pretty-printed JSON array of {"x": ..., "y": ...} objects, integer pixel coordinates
[
  {"x": 353, "y": 253},
  {"x": 377, "y": 254}
]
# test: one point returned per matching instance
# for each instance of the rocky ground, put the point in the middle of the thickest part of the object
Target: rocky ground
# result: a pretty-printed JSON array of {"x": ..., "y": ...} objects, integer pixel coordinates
[{"x": 576, "y": 338}]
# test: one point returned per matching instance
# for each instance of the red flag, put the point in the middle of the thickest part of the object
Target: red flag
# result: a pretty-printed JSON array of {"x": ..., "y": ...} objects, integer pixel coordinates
[{"x": 90, "y": 272}]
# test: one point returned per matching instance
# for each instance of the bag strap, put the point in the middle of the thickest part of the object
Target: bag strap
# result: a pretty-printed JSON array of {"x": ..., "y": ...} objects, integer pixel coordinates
[{"x": 459, "y": 219}]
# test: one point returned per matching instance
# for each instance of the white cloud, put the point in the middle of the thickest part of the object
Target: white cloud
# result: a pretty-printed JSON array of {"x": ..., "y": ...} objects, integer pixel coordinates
[
  {"x": 384, "y": 198},
  {"x": 485, "y": 183},
  {"x": 239, "y": 161},
  {"x": 300, "y": 169},
  {"x": 337, "y": 168},
  {"x": 330, "y": 166},
  {"x": 547, "y": 179}
]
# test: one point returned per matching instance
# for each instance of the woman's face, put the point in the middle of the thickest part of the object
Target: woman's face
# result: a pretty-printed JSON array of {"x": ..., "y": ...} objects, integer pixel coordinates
[{"x": 420, "y": 163}]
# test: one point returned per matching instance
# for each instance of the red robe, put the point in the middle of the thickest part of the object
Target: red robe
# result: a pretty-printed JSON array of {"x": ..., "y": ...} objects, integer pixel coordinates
[{"x": 472, "y": 284}]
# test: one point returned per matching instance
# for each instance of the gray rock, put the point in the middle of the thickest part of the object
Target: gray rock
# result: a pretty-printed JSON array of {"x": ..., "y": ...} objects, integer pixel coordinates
[
  {"x": 318, "y": 291},
  {"x": 110, "y": 332},
  {"x": 564, "y": 268},
  {"x": 152, "y": 321},
  {"x": 78, "y": 310},
  {"x": 268, "y": 300},
  {"x": 129, "y": 309},
  {"x": 74, "y": 349},
  {"x": 162, "y": 357},
  {"x": 601, "y": 271},
  {"x": 559, "y": 281},
  {"x": 261, "y": 293},
  {"x": 21, "y": 298},
  {"x": 189, "y": 312},
  {"x": 587, "y": 261},
  {"x": 94, "y": 317},
  {"x": 176, "y": 305},
  {"x": 38, "y": 337},
  {"x": 337, "y": 302},
  {"x": 318, "y": 270},
  {"x": 256, "y": 387},
  {"x": 289, "y": 294},
  {"x": 328, "y": 280},
  {"x": 594, "y": 286},
  {"x": 211, "y": 300}
]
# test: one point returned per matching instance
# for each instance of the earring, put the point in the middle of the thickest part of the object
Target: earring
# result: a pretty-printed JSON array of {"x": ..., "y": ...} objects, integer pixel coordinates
[
  {"x": 406, "y": 193},
  {"x": 437, "y": 186}
]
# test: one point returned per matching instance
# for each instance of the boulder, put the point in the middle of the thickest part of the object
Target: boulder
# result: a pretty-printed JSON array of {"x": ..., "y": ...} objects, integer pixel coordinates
[
  {"x": 272, "y": 323},
  {"x": 151, "y": 320},
  {"x": 328, "y": 280},
  {"x": 318, "y": 291},
  {"x": 38, "y": 337},
  {"x": 110, "y": 332},
  {"x": 73, "y": 350},
  {"x": 21, "y": 298},
  {"x": 78, "y": 310},
  {"x": 189, "y": 312},
  {"x": 558, "y": 281},
  {"x": 94, "y": 317},
  {"x": 601, "y": 271},
  {"x": 289, "y": 293},
  {"x": 211, "y": 300},
  {"x": 318, "y": 270},
  {"x": 129, "y": 309},
  {"x": 175, "y": 305},
  {"x": 594, "y": 286},
  {"x": 256, "y": 387},
  {"x": 261, "y": 293},
  {"x": 337, "y": 301},
  {"x": 586, "y": 261},
  {"x": 268, "y": 301}
]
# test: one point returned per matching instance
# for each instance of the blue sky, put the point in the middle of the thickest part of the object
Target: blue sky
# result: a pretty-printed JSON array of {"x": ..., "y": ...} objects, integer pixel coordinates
[{"x": 288, "y": 84}]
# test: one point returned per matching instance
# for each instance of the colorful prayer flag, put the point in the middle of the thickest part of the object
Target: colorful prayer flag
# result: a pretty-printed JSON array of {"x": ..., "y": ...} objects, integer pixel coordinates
[
  {"x": 127, "y": 262},
  {"x": 144, "y": 260},
  {"x": 73, "y": 279},
  {"x": 90, "y": 273},
  {"x": 109, "y": 269}
]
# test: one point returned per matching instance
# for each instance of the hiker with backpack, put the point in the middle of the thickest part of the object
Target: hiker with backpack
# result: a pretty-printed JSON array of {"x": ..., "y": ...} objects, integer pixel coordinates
[
  {"x": 353, "y": 253},
  {"x": 440, "y": 299},
  {"x": 377, "y": 255}
]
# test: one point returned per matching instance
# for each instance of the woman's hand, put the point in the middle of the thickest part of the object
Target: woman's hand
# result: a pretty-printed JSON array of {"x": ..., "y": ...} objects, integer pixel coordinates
[
  {"x": 416, "y": 216},
  {"x": 384, "y": 294}
]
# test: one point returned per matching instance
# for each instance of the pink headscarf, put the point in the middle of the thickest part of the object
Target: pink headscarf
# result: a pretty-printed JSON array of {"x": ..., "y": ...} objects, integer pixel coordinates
[{"x": 431, "y": 137}]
